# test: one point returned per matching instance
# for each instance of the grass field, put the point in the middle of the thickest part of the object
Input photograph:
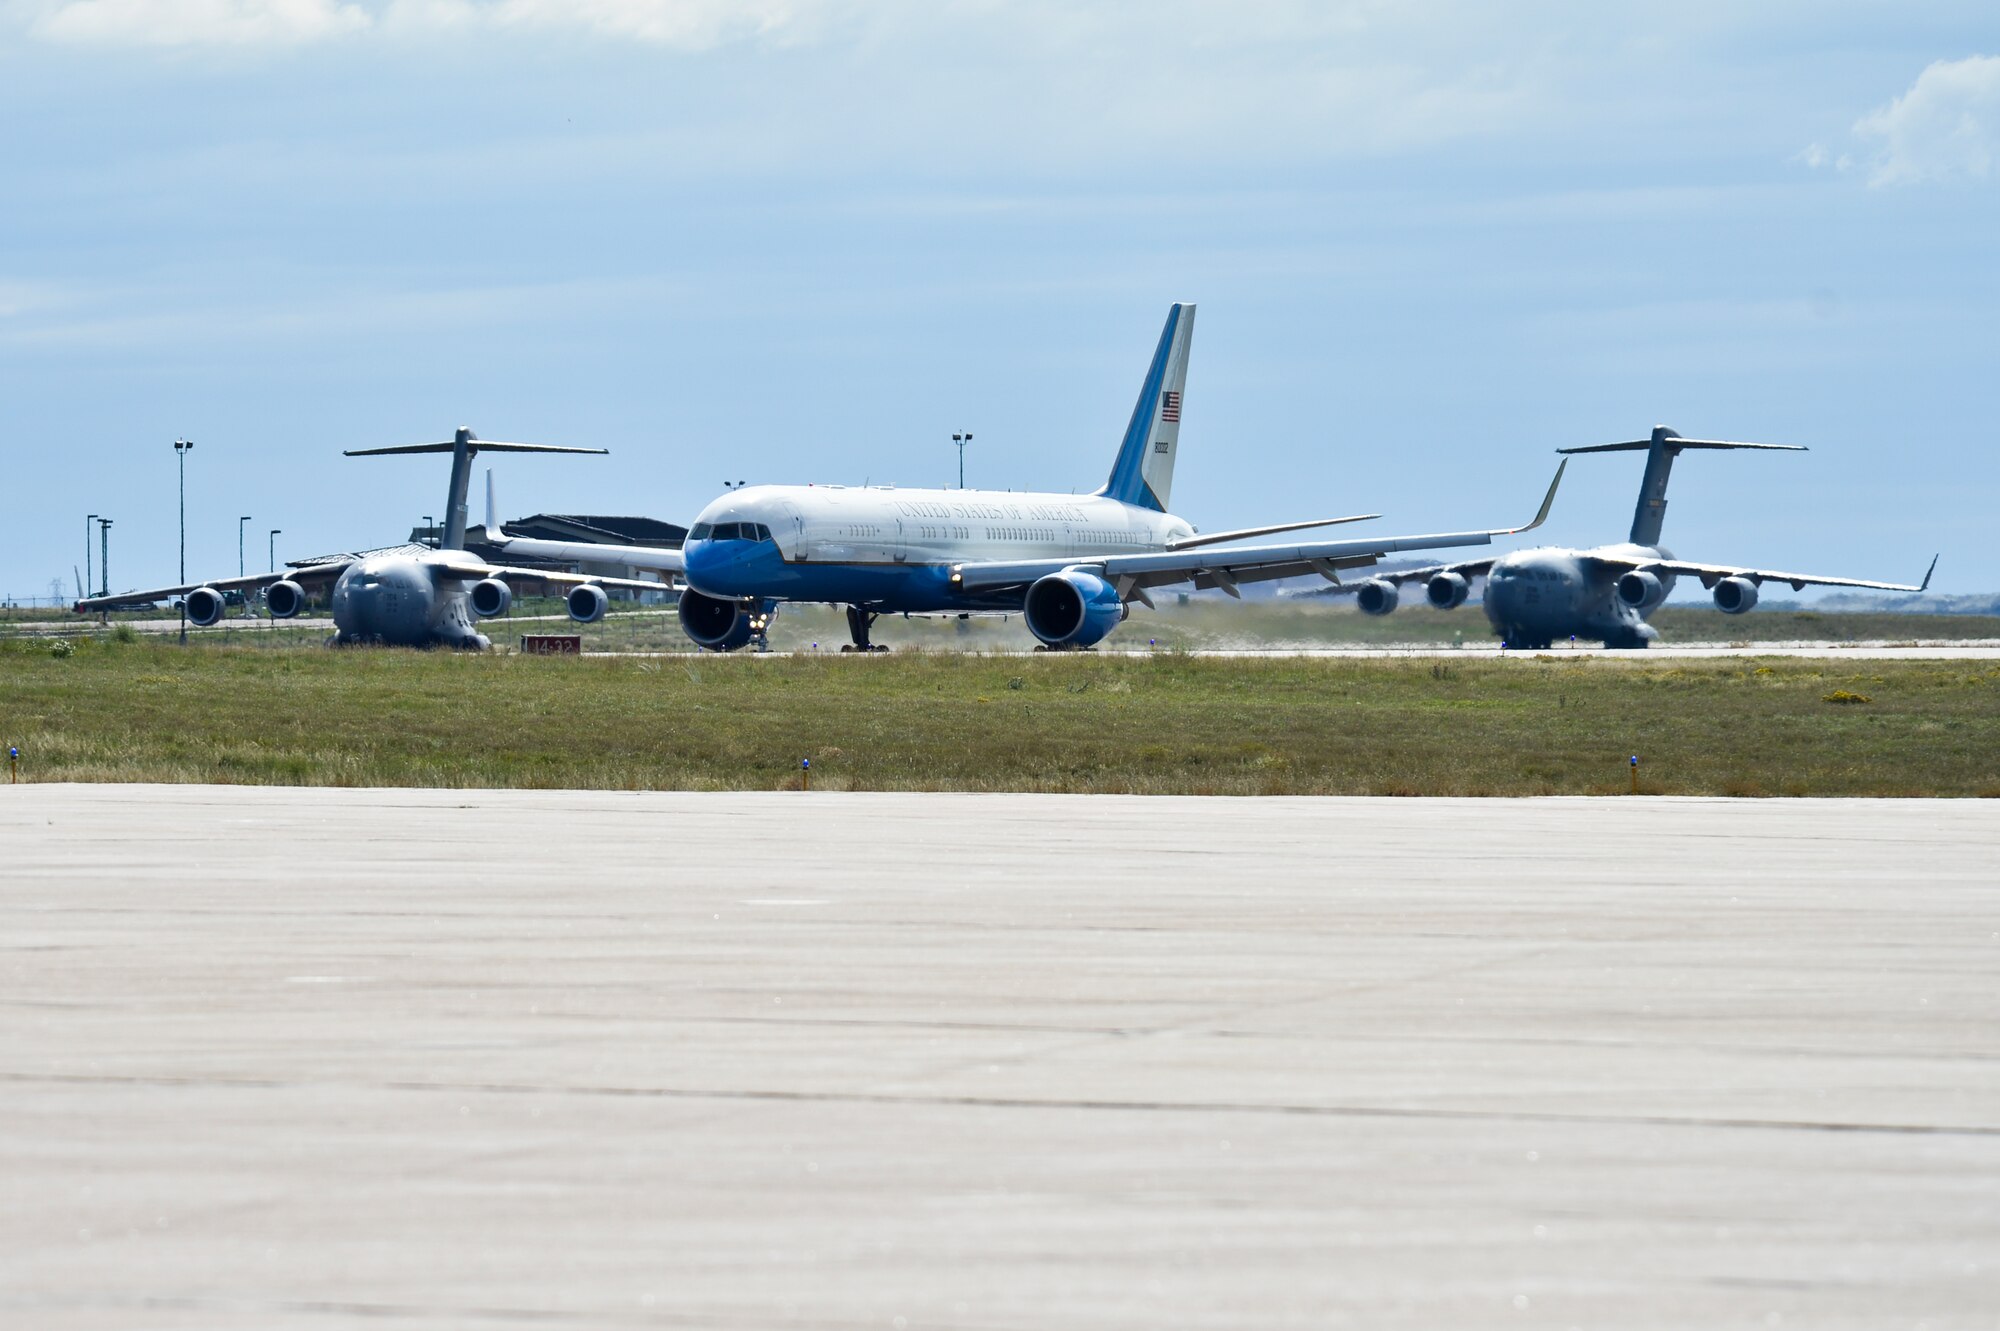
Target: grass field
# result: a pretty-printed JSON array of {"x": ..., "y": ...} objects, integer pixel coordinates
[{"x": 1170, "y": 723}]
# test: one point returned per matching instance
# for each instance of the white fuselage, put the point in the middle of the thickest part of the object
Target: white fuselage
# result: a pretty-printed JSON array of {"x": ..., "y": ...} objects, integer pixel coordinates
[
  {"x": 881, "y": 524},
  {"x": 889, "y": 547}
]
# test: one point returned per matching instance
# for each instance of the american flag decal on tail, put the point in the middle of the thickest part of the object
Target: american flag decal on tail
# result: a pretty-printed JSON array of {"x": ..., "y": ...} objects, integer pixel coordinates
[{"x": 1170, "y": 406}]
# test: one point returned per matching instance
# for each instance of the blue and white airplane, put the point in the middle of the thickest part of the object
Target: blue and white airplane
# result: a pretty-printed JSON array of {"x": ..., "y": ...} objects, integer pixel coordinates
[{"x": 1069, "y": 565}]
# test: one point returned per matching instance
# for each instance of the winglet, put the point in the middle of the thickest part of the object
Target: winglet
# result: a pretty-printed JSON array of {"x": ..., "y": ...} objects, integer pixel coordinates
[
  {"x": 1927, "y": 575},
  {"x": 1541, "y": 515}
]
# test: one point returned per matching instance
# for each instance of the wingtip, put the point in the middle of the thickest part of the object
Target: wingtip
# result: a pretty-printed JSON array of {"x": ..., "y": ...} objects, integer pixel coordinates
[
  {"x": 1548, "y": 500},
  {"x": 1927, "y": 575}
]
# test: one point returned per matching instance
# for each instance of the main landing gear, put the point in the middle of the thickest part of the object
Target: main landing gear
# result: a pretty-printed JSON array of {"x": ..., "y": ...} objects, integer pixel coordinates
[
  {"x": 859, "y": 621},
  {"x": 1525, "y": 640}
]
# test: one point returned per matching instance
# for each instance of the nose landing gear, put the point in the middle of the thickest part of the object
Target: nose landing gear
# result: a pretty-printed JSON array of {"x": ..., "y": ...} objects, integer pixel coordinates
[{"x": 859, "y": 621}]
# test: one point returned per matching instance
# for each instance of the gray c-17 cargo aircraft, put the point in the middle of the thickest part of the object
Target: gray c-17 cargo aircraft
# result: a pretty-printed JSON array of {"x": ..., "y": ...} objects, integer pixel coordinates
[
  {"x": 405, "y": 596},
  {"x": 1534, "y": 597}
]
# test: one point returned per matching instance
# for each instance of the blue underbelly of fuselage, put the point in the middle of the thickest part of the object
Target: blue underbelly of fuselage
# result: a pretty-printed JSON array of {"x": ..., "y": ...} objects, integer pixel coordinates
[{"x": 756, "y": 569}]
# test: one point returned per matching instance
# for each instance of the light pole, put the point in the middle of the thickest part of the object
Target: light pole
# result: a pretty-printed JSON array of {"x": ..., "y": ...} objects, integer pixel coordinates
[
  {"x": 182, "y": 447},
  {"x": 961, "y": 440},
  {"x": 89, "y": 575},
  {"x": 104, "y": 556},
  {"x": 276, "y": 532},
  {"x": 248, "y": 613}
]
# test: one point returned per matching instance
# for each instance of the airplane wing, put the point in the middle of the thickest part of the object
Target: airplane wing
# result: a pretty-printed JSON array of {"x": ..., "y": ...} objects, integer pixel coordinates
[
  {"x": 634, "y": 556},
  {"x": 1710, "y": 574},
  {"x": 474, "y": 569},
  {"x": 305, "y": 576},
  {"x": 1468, "y": 569},
  {"x": 1225, "y": 568}
]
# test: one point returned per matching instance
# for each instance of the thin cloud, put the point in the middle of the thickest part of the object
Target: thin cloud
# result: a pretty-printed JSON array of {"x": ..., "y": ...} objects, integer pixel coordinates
[
  {"x": 1946, "y": 127},
  {"x": 686, "y": 25},
  {"x": 689, "y": 25},
  {"x": 201, "y": 22}
]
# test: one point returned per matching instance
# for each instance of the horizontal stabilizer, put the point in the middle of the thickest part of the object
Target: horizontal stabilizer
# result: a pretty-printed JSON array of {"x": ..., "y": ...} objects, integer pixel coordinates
[
  {"x": 472, "y": 446},
  {"x": 1674, "y": 441},
  {"x": 463, "y": 447},
  {"x": 1650, "y": 514}
]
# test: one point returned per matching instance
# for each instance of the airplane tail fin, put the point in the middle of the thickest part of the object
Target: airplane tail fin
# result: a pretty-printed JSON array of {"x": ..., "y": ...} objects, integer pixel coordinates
[
  {"x": 1144, "y": 471},
  {"x": 463, "y": 447},
  {"x": 1661, "y": 450}
]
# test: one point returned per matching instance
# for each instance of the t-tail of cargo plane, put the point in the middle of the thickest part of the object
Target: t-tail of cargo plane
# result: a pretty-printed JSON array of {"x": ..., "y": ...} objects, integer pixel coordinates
[{"x": 1661, "y": 450}]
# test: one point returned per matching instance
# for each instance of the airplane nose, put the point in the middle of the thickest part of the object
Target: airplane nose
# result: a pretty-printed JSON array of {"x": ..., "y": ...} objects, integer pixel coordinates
[{"x": 706, "y": 563}]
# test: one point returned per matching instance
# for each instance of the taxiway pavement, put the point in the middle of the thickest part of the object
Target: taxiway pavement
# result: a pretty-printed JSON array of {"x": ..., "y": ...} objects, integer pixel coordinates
[{"x": 283, "y": 1057}]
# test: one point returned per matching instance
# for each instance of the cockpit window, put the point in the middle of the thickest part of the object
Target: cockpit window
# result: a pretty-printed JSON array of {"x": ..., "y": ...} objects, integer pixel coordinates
[{"x": 730, "y": 531}]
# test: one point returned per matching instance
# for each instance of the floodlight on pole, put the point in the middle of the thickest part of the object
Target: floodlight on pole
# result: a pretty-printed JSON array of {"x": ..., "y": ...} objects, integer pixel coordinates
[
  {"x": 961, "y": 440},
  {"x": 276, "y": 532},
  {"x": 89, "y": 573},
  {"x": 239, "y": 543},
  {"x": 104, "y": 556}
]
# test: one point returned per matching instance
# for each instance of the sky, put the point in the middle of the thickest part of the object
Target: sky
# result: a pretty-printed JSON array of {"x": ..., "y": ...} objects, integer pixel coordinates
[{"x": 808, "y": 240}]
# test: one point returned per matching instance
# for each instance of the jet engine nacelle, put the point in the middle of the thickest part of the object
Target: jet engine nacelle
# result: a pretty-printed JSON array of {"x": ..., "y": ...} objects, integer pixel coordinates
[
  {"x": 1641, "y": 590},
  {"x": 712, "y": 622},
  {"x": 1447, "y": 591},
  {"x": 1377, "y": 596},
  {"x": 204, "y": 606},
  {"x": 1072, "y": 609},
  {"x": 284, "y": 598},
  {"x": 492, "y": 597},
  {"x": 587, "y": 603},
  {"x": 1733, "y": 596}
]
